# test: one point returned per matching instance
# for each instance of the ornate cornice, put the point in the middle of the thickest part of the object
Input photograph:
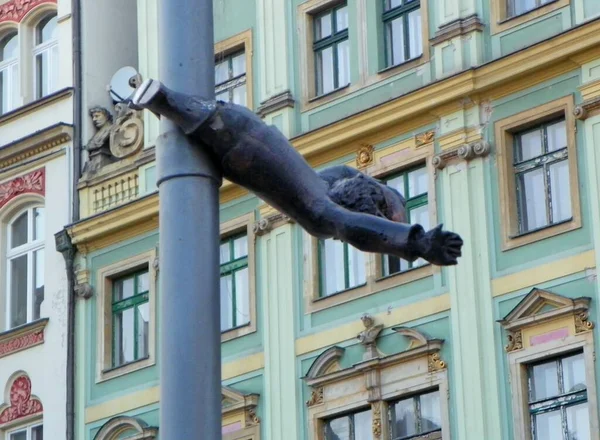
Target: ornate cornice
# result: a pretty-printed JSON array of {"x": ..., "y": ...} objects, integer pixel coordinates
[
  {"x": 30, "y": 183},
  {"x": 277, "y": 102},
  {"x": 15, "y": 10},
  {"x": 456, "y": 28},
  {"x": 586, "y": 109},
  {"x": 22, "y": 403},
  {"x": 465, "y": 152},
  {"x": 22, "y": 337}
]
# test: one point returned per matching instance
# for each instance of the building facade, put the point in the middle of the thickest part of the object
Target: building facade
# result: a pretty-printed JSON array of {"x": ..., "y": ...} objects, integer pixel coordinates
[
  {"x": 484, "y": 114},
  {"x": 36, "y": 133}
]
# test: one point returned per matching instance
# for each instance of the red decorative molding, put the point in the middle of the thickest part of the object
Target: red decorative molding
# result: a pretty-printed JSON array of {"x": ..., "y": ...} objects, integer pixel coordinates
[
  {"x": 21, "y": 402},
  {"x": 21, "y": 342},
  {"x": 34, "y": 182},
  {"x": 15, "y": 10}
]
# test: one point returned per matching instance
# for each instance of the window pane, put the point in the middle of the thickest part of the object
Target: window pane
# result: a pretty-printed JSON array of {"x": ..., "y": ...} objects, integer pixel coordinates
[
  {"x": 393, "y": 265},
  {"x": 38, "y": 224},
  {"x": 222, "y": 71},
  {"x": 143, "y": 282},
  {"x": 323, "y": 26},
  {"x": 574, "y": 373},
  {"x": 431, "y": 418},
  {"x": 343, "y": 55},
  {"x": 391, "y": 4},
  {"x": 53, "y": 69},
  {"x": 341, "y": 19},
  {"x": 18, "y": 231},
  {"x": 415, "y": 47},
  {"x": 522, "y": 6},
  {"x": 578, "y": 422},
  {"x": 242, "y": 297},
  {"x": 332, "y": 257},
  {"x": 223, "y": 96},
  {"x": 124, "y": 288},
  {"x": 420, "y": 215},
  {"x": 561, "y": 191},
  {"x": 239, "y": 95},
  {"x": 4, "y": 92},
  {"x": 557, "y": 136},
  {"x": 548, "y": 426},
  {"x": 395, "y": 35},
  {"x": 143, "y": 330},
  {"x": 225, "y": 252},
  {"x": 545, "y": 380},
  {"x": 404, "y": 418},
  {"x": 125, "y": 336},
  {"x": 532, "y": 200},
  {"x": 15, "y": 86},
  {"x": 38, "y": 282},
  {"x": 9, "y": 48},
  {"x": 42, "y": 77},
  {"x": 226, "y": 303},
  {"x": 325, "y": 71},
  {"x": 363, "y": 428},
  {"x": 530, "y": 145},
  {"x": 240, "y": 247},
  {"x": 18, "y": 291},
  {"x": 21, "y": 435},
  {"x": 356, "y": 267},
  {"x": 417, "y": 182},
  {"x": 338, "y": 429},
  {"x": 398, "y": 184},
  {"x": 47, "y": 30},
  {"x": 238, "y": 63},
  {"x": 38, "y": 433}
]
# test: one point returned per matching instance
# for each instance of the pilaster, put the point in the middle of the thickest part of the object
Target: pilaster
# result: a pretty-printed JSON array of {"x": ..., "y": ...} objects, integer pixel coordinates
[
  {"x": 281, "y": 415},
  {"x": 276, "y": 100},
  {"x": 452, "y": 10},
  {"x": 475, "y": 391}
]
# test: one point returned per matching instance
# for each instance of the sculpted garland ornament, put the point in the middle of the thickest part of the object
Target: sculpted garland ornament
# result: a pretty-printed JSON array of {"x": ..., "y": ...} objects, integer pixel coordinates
[{"x": 339, "y": 202}]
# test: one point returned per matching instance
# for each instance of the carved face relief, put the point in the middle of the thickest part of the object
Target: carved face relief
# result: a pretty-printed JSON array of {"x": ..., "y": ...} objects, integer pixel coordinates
[{"x": 99, "y": 119}]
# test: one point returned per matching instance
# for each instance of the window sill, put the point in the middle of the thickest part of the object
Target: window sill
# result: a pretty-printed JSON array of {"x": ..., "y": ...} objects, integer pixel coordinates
[
  {"x": 19, "y": 111},
  {"x": 515, "y": 241},
  {"x": 238, "y": 332},
  {"x": 402, "y": 273},
  {"x": 401, "y": 66},
  {"x": 340, "y": 292},
  {"x": 129, "y": 367},
  {"x": 329, "y": 94},
  {"x": 22, "y": 337}
]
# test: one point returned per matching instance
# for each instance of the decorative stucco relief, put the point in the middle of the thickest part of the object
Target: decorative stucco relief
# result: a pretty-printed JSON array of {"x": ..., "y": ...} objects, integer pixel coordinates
[
  {"x": 15, "y": 10},
  {"x": 22, "y": 403},
  {"x": 34, "y": 182}
]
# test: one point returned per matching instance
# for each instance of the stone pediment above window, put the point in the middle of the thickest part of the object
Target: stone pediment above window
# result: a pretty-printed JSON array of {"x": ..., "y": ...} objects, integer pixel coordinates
[
  {"x": 130, "y": 428},
  {"x": 543, "y": 316},
  {"x": 239, "y": 407}
]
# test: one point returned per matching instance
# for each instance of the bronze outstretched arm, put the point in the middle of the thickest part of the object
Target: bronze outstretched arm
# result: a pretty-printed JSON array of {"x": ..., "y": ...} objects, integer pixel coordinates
[{"x": 260, "y": 158}]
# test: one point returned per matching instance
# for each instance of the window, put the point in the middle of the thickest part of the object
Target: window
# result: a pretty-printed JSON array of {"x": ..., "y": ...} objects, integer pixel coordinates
[
  {"x": 354, "y": 426},
  {"x": 25, "y": 271},
  {"x": 131, "y": 317},
  {"x": 331, "y": 49},
  {"x": 341, "y": 265},
  {"x": 413, "y": 185},
  {"x": 403, "y": 33},
  {"x": 518, "y": 7},
  {"x": 45, "y": 56},
  {"x": 235, "y": 295},
  {"x": 30, "y": 433},
  {"x": 542, "y": 176},
  {"x": 9, "y": 72},
  {"x": 230, "y": 78},
  {"x": 538, "y": 181},
  {"x": 415, "y": 417},
  {"x": 558, "y": 399}
]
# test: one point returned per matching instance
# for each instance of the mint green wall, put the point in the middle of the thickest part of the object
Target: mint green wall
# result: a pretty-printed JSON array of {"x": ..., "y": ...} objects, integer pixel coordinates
[{"x": 555, "y": 247}]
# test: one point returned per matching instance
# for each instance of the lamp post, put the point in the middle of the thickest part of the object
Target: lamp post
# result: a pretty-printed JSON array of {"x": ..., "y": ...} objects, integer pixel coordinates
[{"x": 190, "y": 344}]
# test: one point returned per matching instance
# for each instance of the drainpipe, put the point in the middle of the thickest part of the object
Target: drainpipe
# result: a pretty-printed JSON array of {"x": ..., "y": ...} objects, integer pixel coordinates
[{"x": 77, "y": 104}]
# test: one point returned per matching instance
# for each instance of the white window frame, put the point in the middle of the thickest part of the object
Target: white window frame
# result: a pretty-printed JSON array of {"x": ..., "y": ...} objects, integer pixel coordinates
[
  {"x": 38, "y": 50},
  {"x": 28, "y": 430},
  {"x": 13, "y": 82},
  {"x": 28, "y": 249}
]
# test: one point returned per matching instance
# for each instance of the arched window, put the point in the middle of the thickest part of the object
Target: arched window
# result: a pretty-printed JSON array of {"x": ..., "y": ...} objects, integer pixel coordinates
[
  {"x": 25, "y": 266},
  {"x": 45, "y": 55},
  {"x": 9, "y": 72}
]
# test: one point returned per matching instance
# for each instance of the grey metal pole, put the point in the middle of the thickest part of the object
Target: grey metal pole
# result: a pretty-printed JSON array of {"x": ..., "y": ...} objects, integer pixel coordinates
[{"x": 190, "y": 344}]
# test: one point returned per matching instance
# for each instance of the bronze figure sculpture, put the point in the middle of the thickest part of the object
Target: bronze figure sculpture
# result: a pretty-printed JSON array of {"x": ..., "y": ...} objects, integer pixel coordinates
[{"x": 338, "y": 202}]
